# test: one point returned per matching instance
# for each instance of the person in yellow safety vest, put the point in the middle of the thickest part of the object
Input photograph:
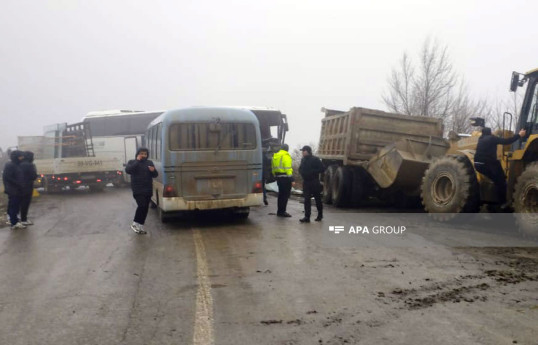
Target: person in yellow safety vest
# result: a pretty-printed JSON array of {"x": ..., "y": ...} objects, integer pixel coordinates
[{"x": 283, "y": 172}]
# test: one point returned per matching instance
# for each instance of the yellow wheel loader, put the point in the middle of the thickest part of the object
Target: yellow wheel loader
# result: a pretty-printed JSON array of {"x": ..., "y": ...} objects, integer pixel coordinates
[{"x": 451, "y": 185}]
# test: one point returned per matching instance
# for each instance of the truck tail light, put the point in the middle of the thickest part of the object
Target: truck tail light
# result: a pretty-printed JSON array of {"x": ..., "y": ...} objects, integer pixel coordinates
[
  {"x": 65, "y": 178},
  {"x": 78, "y": 181},
  {"x": 99, "y": 180},
  {"x": 257, "y": 187},
  {"x": 169, "y": 191}
]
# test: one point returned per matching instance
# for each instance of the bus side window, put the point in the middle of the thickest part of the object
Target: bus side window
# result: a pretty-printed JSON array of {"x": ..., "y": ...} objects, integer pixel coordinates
[
  {"x": 159, "y": 142},
  {"x": 150, "y": 139}
]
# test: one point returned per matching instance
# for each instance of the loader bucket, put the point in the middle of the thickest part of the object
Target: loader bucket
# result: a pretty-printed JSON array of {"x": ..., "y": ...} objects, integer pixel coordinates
[{"x": 402, "y": 164}]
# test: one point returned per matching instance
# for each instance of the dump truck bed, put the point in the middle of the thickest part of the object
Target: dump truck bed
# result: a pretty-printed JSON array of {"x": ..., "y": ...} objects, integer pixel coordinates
[{"x": 359, "y": 134}]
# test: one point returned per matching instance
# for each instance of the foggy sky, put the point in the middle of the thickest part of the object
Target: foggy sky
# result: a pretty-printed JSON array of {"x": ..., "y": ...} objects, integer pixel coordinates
[{"x": 61, "y": 59}]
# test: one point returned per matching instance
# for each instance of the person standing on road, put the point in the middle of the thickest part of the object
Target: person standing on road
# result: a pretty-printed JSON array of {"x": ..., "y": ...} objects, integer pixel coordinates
[
  {"x": 29, "y": 173},
  {"x": 13, "y": 186},
  {"x": 310, "y": 169},
  {"x": 486, "y": 162},
  {"x": 282, "y": 170},
  {"x": 142, "y": 173}
]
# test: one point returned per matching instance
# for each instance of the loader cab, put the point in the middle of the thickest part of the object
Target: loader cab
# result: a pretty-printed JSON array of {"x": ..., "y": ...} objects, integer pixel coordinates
[{"x": 528, "y": 117}]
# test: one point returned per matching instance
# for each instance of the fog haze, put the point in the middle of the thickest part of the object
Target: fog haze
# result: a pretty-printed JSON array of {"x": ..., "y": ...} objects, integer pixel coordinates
[{"x": 61, "y": 59}]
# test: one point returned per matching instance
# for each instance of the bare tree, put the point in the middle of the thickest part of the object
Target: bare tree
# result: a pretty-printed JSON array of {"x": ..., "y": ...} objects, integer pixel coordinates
[
  {"x": 494, "y": 114},
  {"x": 432, "y": 87},
  {"x": 428, "y": 88}
]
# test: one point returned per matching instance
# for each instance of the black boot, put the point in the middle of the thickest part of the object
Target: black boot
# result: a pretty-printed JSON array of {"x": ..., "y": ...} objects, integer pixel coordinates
[
  {"x": 319, "y": 218},
  {"x": 305, "y": 220}
]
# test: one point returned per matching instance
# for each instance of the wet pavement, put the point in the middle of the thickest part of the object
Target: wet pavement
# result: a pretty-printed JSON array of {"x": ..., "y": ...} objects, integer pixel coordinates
[{"x": 81, "y": 276}]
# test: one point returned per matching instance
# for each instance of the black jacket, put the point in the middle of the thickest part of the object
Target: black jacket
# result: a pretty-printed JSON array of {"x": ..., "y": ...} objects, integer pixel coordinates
[
  {"x": 310, "y": 168},
  {"x": 29, "y": 172},
  {"x": 141, "y": 176},
  {"x": 13, "y": 177},
  {"x": 486, "y": 150}
]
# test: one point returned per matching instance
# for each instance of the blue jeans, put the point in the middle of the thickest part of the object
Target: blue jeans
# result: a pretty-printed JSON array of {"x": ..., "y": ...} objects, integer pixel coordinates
[{"x": 13, "y": 208}]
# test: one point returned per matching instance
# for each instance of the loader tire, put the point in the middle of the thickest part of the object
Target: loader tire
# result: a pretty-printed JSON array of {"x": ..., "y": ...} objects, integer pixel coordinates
[
  {"x": 327, "y": 183},
  {"x": 341, "y": 187},
  {"x": 449, "y": 187},
  {"x": 526, "y": 201}
]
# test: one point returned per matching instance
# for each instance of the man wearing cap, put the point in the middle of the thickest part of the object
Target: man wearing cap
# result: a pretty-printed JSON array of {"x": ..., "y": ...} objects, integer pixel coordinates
[
  {"x": 282, "y": 170},
  {"x": 310, "y": 169}
]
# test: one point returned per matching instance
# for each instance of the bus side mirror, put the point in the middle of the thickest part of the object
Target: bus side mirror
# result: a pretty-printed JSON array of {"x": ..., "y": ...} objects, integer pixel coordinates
[{"x": 514, "y": 82}]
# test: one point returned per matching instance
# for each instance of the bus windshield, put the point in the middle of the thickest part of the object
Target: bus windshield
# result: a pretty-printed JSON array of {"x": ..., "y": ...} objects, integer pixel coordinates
[{"x": 204, "y": 136}]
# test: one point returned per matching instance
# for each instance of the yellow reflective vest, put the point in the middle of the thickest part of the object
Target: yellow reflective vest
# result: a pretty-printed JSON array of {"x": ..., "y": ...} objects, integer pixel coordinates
[{"x": 282, "y": 163}]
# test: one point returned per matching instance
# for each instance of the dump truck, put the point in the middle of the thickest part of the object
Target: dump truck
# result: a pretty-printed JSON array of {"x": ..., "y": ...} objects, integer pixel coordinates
[
  {"x": 369, "y": 152},
  {"x": 64, "y": 156}
]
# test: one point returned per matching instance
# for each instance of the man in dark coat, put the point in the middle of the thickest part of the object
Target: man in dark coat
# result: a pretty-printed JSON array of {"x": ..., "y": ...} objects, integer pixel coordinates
[
  {"x": 310, "y": 169},
  {"x": 29, "y": 173},
  {"x": 142, "y": 173},
  {"x": 13, "y": 186},
  {"x": 486, "y": 162}
]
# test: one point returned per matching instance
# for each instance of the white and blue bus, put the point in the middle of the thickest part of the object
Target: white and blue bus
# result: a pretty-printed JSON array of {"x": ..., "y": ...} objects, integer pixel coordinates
[{"x": 207, "y": 158}]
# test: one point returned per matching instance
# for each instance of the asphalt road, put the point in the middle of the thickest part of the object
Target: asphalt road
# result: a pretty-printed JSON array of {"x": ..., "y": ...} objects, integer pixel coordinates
[{"x": 81, "y": 276}]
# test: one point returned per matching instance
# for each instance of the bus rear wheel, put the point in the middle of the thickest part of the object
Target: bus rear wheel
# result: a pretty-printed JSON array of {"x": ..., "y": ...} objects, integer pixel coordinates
[
  {"x": 163, "y": 216},
  {"x": 242, "y": 213}
]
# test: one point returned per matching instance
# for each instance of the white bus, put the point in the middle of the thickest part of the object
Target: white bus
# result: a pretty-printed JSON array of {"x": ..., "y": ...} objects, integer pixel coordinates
[
  {"x": 207, "y": 158},
  {"x": 118, "y": 134}
]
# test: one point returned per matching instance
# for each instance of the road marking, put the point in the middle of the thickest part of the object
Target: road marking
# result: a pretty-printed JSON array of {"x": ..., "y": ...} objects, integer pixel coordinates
[{"x": 203, "y": 319}]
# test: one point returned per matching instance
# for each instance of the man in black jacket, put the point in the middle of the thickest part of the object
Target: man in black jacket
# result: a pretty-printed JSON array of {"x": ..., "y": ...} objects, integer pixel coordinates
[
  {"x": 29, "y": 176},
  {"x": 310, "y": 169},
  {"x": 486, "y": 163},
  {"x": 13, "y": 187},
  {"x": 142, "y": 173}
]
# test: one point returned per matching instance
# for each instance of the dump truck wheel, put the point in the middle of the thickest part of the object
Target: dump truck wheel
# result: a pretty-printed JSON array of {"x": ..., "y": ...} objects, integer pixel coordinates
[
  {"x": 341, "y": 186},
  {"x": 360, "y": 186},
  {"x": 327, "y": 183},
  {"x": 526, "y": 201},
  {"x": 449, "y": 187}
]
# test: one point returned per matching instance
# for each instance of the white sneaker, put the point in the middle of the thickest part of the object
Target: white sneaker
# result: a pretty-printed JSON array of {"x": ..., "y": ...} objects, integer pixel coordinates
[
  {"x": 141, "y": 229},
  {"x": 138, "y": 228},
  {"x": 19, "y": 225},
  {"x": 28, "y": 222}
]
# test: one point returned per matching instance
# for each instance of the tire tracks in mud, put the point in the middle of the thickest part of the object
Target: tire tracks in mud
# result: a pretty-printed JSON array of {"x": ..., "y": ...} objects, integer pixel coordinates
[
  {"x": 496, "y": 268},
  {"x": 502, "y": 267}
]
